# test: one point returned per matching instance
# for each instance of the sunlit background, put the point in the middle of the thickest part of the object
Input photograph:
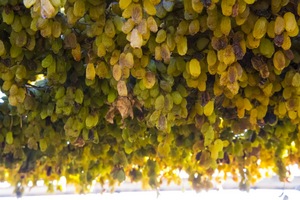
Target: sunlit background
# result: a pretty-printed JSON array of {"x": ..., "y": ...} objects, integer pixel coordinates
[{"x": 265, "y": 189}]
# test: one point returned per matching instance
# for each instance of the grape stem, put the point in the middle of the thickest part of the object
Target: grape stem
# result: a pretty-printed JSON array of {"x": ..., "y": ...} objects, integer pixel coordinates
[{"x": 36, "y": 87}]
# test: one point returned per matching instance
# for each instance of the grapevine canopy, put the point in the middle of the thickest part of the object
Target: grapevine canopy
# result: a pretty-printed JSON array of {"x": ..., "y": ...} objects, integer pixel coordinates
[{"x": 139, "y": 89}]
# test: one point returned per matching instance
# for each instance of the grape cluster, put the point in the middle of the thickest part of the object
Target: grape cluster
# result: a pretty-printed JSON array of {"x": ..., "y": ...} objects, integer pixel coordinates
[{"x": 137, "y": 89}]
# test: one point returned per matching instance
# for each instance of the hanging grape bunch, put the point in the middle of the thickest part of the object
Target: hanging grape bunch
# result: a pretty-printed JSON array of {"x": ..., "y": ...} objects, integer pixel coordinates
[{"x": 137, "y": 89}]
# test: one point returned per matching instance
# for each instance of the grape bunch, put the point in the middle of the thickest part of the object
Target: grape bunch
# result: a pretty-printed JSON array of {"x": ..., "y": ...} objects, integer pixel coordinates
[{"x": 135, "y": 90}]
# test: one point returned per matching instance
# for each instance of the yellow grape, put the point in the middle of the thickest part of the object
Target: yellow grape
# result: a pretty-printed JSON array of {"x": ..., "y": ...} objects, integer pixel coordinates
[
  {"x": 28, "y": 3},
  {"x": 101, "y": 50},
  {"x": 182, "y": 45},
  {"x": 227, "y": 7},
  {"x": 279, "y": 60},
  {"x": 260, "y": 28},
  {"x": 124, "y": 3},
  {"x": 225, "y": 25},
  {"x": 152, "y": 25},
  {"x": 209, "y": 108},
  {"x": 76, "y": 53},
  {"x": 57, "y": 3},
  {"x": 211, "y": 57},
  {"x": 296, "y": 80},
  {"x": 136, "y": 39},
  {"x": 128, "y": 26},
  {"x": 142, "y": 27},
  {"x": 290, "y": 22},
  {"x": 117, "y": 72},
  {"x": 227, "y": 55},
  {"x": 115, "y": 57},
  {"x": 194, "y": 27},
  {"x": 279, "y": 25},
  {"x": 122, "y": 88},
  {"x": 197, "y": 6},
  {"x": 194, "y": 68},
  {"x": 137, "y": 13},
  {"x": 287, "y": 43},
  {"x": 90, "y": 72},
  {"x": 252, "y": 42},
  {"x": 47, "y": 9},
  {"x": 157, "y": 53},
  {"x": 249, "y": 1},
  {"x": 149, "y": 80},
  {"x": 149, "y": 7},
  {"x": 271, "y": 29}
]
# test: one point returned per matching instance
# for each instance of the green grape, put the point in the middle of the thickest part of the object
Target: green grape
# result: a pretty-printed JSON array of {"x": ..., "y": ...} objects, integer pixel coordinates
[
  {"x": 95, "y": 12},
  {"x": 9, "y": 138},
  {"x": 31, "y": 43},
  {"x": 109, "y": 28},
  {"x": 15, "y": 51},
  {"x": 177, "y": 98},
  {"x": 17, "y": 25},
  {"x": 266, "y": 47},
  {"x": 183, "y": 27},
  {"x": 79, "y": 96},
  {"x": 21, "y": 72},
  {"x": 2, "y": 48},
  {"x": 26, "y": 21},
  {"x": 8, "y": 16},
  {"x": 13, "y": 90},
  {"x": 56, "y": 29},
  {"x": 79, "y": 8},
  {"x": 159, "y": 102},
  {"x": 168, "y": 103},
  {"x": 161, "y": 36},
  {"x": 111, "y": 96},
  {"x": 43, "y": 145},
  {"x": 209, "y": 136},
  {"x": 47, "y": 61}
]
